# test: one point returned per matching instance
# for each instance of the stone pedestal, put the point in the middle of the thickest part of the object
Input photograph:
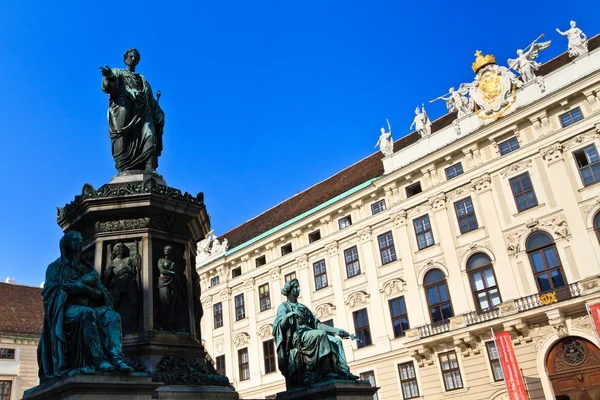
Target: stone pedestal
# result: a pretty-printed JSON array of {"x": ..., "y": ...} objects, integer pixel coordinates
[
  {"x": 101, "y": 386},
  {"x": 196, "y": 393},
  {"x": 332, "y": 390}
]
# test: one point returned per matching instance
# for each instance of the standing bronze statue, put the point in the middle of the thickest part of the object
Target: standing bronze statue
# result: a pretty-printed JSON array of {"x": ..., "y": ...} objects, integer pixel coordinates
[
  {"x": 308, "y": 351},
  {"x": 135, "y": 120},
  {"x": 81, "y": 332},
  {"x": 171, "y": 292}
]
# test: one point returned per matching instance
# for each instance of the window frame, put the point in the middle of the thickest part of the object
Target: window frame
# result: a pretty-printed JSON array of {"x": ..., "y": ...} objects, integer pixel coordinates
[
  {"x": 328, "y": 322},
  {"x": 218, "y": 321},
  {"x": 4, "y": 383},
  {"x": 238, "y": 307},
  {"x": 439, "y": 305},
  {"x": 399, "y": 317},
  {"x": 570, "y": 114},
  {"x": 508, "y": 141},
  {"x": 364, "y": 331},
  {"x": 389, "y": 249},
  {"x": 363, "y": 377},
  {"x": 260, "y": 261},
  {"x": 493, "y": 361},
  {"x": 352, "y": 262},
  {"x": 450, "y": 370},
  {"x": 546, "y": 271},
  {"x": 243, "y": 366},
  {"x": 466, "y": 215},
  {"x": 523, "y": 192},
  {"x": 475, "y": 292},
  {"x": 311, "y": 236},
  {"x": 218, "y": 359},
  {"x": 408, "y": 380},
  {"x": 423, "y": 232},
  {"x": 453, "y": 168},
  {"x": 7, "y": 353},
  {"x": 234, "y": 272},
  {"x": 587, "y": 166},
  {"x": 290, "y": 277},
  {"x": 215, "y": 281},
  {"x": 596, "y": 222},
  {"x": 269, "y": 359},
  {"x": 346, "y": 221},
  {"x": 378, "y": 206},
  {"x": 409, "y": 190},
  {"x": 286, "y": 249},
  {"x": 266, "y": 296},
  {"x": 318, "y": 277}
]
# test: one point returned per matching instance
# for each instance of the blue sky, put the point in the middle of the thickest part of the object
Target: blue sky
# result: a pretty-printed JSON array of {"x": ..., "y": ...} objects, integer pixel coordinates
[{"x": 262, "y": 99}]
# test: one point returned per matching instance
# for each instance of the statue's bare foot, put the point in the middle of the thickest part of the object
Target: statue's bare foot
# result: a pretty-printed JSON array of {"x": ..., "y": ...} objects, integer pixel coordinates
[
  {"x": 106, "y": 366},
  {"x": 121, "y": 366}
]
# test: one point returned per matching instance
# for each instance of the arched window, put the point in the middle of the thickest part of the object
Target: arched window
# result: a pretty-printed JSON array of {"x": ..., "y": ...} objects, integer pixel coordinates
[
  {"x": 483, "y": 282},
  {"x": 597, "y": 225},
  {"x": 545, "y": 262},
  {"x": 438, "y": 296}
]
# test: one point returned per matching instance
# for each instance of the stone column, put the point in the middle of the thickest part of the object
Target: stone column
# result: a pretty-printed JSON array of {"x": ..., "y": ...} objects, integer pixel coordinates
[
  {"x": 306, "y": 289},
  {"x": 252, "y": 310},
  {"x": 507, "y": 284},
  {"x": 415, "y": 308},
  {"x": 228, "y": 320},
  {"x": 583, "y": 252},
  {"x": 376, "y": 317}
]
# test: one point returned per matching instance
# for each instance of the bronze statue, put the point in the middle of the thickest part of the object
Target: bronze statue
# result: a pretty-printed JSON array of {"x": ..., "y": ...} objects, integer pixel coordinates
[
  {"x": 135, "y": 120},
  {"x": 307, "y": 350},
  {"x": 171, "y": 292},
  {"x": 81, "y": 332},
  {"x": 121, "y": 277}
]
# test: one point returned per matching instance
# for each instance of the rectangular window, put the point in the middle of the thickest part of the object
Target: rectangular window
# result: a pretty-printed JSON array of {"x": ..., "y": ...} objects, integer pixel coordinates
[
  {"x": 7, "y": 354},
  {"x": 408, "y": 380},
  {"x": 236, "y": 272},
  {"x": 413, "y": 189},
  {"x": 369, "y": 376},
  {"x": 399, "y": 316},
  {"x": 260, "y": 261},
  {"x": 588, "y": 164},
  {"x": 320, "y": 274},
  {"x": 345, "y": 222},
  {"x": 386, "y": 248},
  {"x": 523, "y": 192},
  {"x": 289, "y": 277},
  {"x": 218, "y": 315},
  {"x": 220, "y": 361},
  {"x": 450, "y": 371},
  {"x": 314, "y": 236},
  {"x": 571, "y": 117},
  {"x": 465, "y": 213},
  {"x": 494, "y": 361},
  {"x": 361, "y": 327},
  {"x": 269, "y": 354},
  {"x": 5, "y": 390},
  {"x": 286, "y": 249},
  {"x": 214, "y": 281},
  {"x": 244, "y": 364},
  {"x": 378, "y": 207},
  {"x": 352, "y": 265},
  {"x": 263, "y": 296},
  {"x": 424, "y": 233},
  {"x": 509, "y": 145},
  {"x": 240, "y": 308},
  {"x": 329, "y": 322},
  {"x": 454, "y": 170}
]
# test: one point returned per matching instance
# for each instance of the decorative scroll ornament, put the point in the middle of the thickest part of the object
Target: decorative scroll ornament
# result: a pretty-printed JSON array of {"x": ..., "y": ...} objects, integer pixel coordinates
[
  {"x": 365, "y": 234},
  {"x": 219, "y": 345},
  {"x": 393, "y": 287},
  {"x": 265, "y": 331},
  {"x": 274, "y": 273},
  {"x": 552, "y": 153},
  {"x": 302, "y": 261},
  {"x": 515, "y": 167},
  {"x": 356, "y": 299},
  {"x": 241, "y": 339},
  {"x": 481, "y": 183},
  {"x": 459, "y": 192},
  {"x": 332, "y": 248},
  {"x": 579, "y": 139},
  {"x": 548, "y": 298},
  {"x": 438, "y": 201},
  {"x": 399, "y": 218},
  {"x": 324, "y": 310}
]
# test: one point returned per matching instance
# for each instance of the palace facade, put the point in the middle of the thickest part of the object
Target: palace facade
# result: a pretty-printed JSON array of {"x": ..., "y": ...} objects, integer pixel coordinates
[{"x": 489, "y": 223}]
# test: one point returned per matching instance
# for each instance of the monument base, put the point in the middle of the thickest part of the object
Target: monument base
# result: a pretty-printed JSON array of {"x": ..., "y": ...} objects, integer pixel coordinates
[
  {"x": 101, "y": 386},
  {"x": 332, "y": 390},
  {"x": 196, "y": 393},
  {"x": 137, "y": 176}
]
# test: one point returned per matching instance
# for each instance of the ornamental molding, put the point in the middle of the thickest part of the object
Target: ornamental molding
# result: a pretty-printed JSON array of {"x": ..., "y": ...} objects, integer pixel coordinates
[
  {"x": 360, "y": 298},
  {"x": 429, "y": 264},
  {"x": 583, "y": 324},
  {"x": 224, "y": 294},
  {"x": 249, "y": 285},
  {"x": 544, "y": 333},
  {"x": 399, "y": 218},
  {"x": 364, "y": 234},
  {"x": 473, "y": 248},
  {"x": 552, "y": 153},
  {"x": 207, "y": 302},
  {"x": 332, "y": 248},
  {"x": 438, "y": 202},
  {"x": 324, "y": 310},
  {"x": 579, "y": 139},
  {"x": 393, "y": 287},
  {"x": 515, "y": 167},
  {"x": 459, "y": 192},
  {"x": 274, "y": 273},
  {"x": 556, "y": 226},
  {"x": 482, "y": 183},
  {"x": 418, "y": 210},
  {"x": 148, "y": 186},
  {"x": 161, "y": 223},
  {"x": 219, "y": 345},
  {"x": 592, "y": 207},
  {"x": 302, "y": 261},
  {"x": 241, "y": 339},
  {"x": 265, "y": 331}
]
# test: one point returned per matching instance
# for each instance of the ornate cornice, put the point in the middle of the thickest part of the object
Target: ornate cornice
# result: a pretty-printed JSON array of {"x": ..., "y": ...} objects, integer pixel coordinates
[
  {"x": 515, "y": 167},
  {"x": 577, "y": 140},
  {"x": 393, "y": 287},
  {"x": 482, "y": 183},
  {"x": 364, "y": 234},
  {"x": 332, "y": 248},
  {"x": 324, "y": 310},
  {"x": 241, "y": 339},
  {"x": 399, "y": 218},
  {"x": 158, "y": 222},
  {"x": 552, "y": 153},
  {"x": 438, "y": 202},
  {"x": 419, "y": 210},
  {"x": 302, "y": 261},
  {"x": 459, "y": 192},
  {"x": 265, "y": 331},
  {"x": 359, "y": 298}
]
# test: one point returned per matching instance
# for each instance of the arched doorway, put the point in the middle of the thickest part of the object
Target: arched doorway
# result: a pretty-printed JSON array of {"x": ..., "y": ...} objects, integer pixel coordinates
[{"x": 573, "y": 366}]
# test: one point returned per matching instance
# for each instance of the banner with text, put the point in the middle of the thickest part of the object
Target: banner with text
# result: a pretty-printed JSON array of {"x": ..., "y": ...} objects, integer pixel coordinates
[
  {"x": 594, "y": 311},
  {"x": 512, "y": 374}
]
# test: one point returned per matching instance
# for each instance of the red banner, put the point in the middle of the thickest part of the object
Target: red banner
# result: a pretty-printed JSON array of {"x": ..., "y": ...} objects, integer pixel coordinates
[
  {"x": 595, "y": 315},
  {"x": 512, "y": 374}
]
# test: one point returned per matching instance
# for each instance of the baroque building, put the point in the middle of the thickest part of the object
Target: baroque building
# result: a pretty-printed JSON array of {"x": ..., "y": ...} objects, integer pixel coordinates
[{"x": 482, "y": 220}]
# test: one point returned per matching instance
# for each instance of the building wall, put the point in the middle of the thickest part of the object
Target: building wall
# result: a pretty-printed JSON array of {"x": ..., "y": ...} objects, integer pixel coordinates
[
  {"x": 23, "y": 370},
  {"x": 565, "y": 210}
]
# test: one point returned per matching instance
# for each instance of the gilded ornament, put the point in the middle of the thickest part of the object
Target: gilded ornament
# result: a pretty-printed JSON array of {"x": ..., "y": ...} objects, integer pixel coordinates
[{"x": 548, "y": 298}]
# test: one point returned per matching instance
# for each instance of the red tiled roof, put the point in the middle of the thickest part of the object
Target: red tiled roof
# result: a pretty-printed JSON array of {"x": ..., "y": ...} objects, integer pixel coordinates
[
  {"x": 21, "y": 310},
  {"x": 368, "y": 168}
]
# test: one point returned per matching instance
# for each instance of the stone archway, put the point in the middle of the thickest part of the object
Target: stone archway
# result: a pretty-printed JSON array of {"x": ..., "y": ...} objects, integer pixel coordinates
[{"x": 573, "y": 366}]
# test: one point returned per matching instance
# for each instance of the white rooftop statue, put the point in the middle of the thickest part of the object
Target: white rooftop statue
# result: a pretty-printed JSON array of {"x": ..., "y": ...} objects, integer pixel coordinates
[
  {"x": 386, "y": 142},
  {"x": 525, "y": 63},
  {"x": 210, "y": 246},
  {"x": 10, "y": 280},
  {"x": 458, "y": 101},
  {"x": 421, "y": 122},
  {"x": 577, "y": 40}
]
